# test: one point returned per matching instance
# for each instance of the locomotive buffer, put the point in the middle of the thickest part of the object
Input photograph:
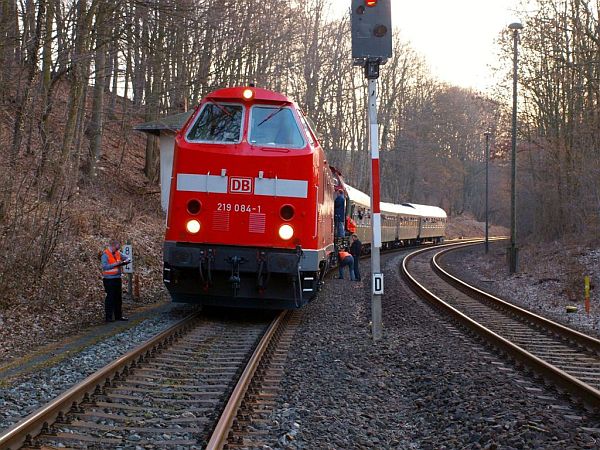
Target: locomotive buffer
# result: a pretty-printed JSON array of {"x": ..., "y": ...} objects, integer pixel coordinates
[{"x": 371, "y": 47}]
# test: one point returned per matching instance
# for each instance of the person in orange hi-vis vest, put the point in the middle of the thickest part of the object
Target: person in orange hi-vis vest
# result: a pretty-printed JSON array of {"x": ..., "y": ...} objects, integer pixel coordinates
[
  {"x": 346, "y": 259},
  {"x": 112, "y": 267},
  {"x": 350, "y": 225}
]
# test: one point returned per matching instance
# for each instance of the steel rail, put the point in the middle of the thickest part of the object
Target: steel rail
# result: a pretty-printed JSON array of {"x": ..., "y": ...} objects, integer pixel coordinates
[
  {"x": 590, "y": 343},
  {"x": 588, "y": 395},
  {"x": 221, "y": 431},
  {"x": 25, "y": 430}
]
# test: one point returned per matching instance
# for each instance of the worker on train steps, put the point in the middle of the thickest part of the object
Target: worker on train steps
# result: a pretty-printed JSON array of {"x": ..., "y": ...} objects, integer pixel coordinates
[
  {"x": 112, "y": 266},
  {"x": 339, "y": 212},
  {"x": 346, "y": 259}
]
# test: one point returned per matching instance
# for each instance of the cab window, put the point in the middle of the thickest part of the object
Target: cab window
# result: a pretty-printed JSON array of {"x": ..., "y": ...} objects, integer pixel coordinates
[
  {"x": 274, "y": 126},
  {"x": 218, "y": 123},
  {"x": 307, "y": 130}
]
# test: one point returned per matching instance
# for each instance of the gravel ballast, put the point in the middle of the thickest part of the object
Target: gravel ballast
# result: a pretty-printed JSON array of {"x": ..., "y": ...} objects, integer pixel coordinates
[
  {"x": 426, "y": 385},
  {"x": 34, "y": 390}
]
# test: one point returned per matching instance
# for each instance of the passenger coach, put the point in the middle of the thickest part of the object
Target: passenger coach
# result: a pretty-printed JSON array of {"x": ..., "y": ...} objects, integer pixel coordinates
[{"x": 401, "y": 225}]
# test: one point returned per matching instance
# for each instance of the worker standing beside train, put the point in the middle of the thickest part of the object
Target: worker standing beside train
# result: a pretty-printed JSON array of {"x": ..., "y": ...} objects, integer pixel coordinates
[
  {"x": 355, "y": 251},
  {"x": 339, "y": 211},
  {"x": 112, "y": 264}
]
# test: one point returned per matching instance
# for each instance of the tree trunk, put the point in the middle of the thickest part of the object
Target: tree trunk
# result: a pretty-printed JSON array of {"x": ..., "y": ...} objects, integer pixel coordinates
[
  {"x": 32, "y": 60},
  {"x": 79, "y": 78},
  {"x": 96, "y": 122}
]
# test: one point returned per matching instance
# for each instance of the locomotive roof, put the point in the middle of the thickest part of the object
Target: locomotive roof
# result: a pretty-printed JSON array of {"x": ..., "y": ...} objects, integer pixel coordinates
[
  {"x": 235, "y": 93},
  {"x": 174, "y": 122}
]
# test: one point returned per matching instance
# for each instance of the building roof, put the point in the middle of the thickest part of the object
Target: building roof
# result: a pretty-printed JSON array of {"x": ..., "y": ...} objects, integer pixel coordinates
[{"x": 173, "y": 123}]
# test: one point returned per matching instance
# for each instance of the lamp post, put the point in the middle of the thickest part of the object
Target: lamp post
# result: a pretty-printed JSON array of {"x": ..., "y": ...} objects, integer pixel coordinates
[
  {"x": 513, "y": 250},
  {"x": 487, "y": 160}
]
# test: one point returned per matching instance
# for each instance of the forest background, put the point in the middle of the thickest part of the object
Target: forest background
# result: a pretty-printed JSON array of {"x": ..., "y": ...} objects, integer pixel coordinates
[{"x": 77, "y": 75}]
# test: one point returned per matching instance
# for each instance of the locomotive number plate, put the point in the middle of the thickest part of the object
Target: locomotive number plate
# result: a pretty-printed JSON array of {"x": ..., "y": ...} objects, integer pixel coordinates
[{"x": 237, "y": 207}]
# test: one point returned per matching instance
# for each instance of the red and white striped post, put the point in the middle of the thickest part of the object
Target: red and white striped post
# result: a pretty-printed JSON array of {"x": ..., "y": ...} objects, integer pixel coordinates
[
  {"x": 371, "y": 25},
  {"x": 376, "y": 275}
]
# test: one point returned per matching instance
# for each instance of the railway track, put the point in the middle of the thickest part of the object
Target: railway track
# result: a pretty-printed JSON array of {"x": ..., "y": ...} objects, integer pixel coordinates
[
  {"x": 566, "y": 358},
  {"x": 169, "y": 392},
  {"x": 199, "y": 384}
]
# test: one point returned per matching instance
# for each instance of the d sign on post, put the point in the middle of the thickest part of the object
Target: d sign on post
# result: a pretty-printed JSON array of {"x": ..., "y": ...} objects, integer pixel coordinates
[
  {"x": 378, "y": 283},
  {"x": 371, "y": 47}
]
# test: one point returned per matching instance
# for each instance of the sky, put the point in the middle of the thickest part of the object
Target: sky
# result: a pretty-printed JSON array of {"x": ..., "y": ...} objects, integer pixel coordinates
[{"x": 456, "y": 37}]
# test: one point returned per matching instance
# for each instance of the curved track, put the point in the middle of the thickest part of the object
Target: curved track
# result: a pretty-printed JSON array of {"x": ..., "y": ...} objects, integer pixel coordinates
[
  {"x": 167, "y": 393},
  {"x": 566, "y": 358}
]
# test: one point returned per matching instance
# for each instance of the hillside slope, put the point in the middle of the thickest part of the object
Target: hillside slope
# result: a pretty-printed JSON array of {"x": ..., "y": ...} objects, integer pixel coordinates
[{"x": 50, "y": 275}]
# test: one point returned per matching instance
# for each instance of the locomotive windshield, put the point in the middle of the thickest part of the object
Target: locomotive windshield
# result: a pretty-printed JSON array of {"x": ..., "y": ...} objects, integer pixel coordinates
[
  {"x": 218, "y": 122},
  {"x": 274, "y": 127}
]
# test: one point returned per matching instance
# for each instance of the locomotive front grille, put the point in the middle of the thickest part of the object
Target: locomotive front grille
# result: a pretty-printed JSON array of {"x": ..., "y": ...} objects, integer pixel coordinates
[
  {"x": 220, "y": 221},
  {"x": 257, "y": 223}
]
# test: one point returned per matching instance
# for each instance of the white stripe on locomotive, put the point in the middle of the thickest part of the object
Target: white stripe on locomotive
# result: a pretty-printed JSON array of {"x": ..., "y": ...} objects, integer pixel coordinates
[{"x": 272, "y": 187}]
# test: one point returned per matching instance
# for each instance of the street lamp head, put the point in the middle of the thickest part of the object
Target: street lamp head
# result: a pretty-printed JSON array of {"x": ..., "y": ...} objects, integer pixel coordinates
[
  {"x": 487, "y": 134},
  {"x": 516, "y": 26}
]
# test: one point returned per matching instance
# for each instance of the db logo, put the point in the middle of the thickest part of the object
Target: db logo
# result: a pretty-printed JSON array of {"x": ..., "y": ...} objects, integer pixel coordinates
[{"x": 240, "y": 185}]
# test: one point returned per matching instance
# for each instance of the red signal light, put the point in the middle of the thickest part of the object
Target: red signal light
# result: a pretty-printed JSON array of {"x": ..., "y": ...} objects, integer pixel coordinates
[{"x": 371, "y": 2}]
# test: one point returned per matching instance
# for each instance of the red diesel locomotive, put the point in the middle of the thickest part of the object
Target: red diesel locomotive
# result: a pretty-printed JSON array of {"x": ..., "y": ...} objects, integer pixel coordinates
[{"x": 250, "y": 210}]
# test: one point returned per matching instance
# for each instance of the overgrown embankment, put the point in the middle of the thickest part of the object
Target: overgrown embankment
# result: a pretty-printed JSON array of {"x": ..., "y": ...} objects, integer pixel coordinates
[{"x": 55, "y": 219}]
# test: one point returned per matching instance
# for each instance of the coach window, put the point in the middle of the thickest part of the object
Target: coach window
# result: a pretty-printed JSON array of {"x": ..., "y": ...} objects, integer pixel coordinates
[
  {"x": 272, "y": 126},
  {"x": 219, "y": 123}
]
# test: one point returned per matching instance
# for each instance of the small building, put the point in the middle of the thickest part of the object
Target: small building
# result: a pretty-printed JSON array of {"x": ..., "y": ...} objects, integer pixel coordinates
[{"x": 165, "y": 128}]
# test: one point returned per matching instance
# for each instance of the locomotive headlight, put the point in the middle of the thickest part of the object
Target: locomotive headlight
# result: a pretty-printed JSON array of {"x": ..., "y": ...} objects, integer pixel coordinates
[
  {"x": 192, "y": 226},
  {"x": 286, "y": 232},
  {"x": 248, "y": 94}
]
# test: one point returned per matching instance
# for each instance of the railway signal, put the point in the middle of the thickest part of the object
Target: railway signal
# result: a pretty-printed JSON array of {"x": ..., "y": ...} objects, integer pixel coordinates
[
  {"x": 371, "y": 47},
  {"x": 371, "y": 31}
]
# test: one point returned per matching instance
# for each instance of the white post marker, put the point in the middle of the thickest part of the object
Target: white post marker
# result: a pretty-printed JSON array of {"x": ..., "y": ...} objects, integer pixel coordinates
[
  {"x": 376, "y": 291},
  {"x": 128, "y": 254},
  {"x": 378, "y": 283}
]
